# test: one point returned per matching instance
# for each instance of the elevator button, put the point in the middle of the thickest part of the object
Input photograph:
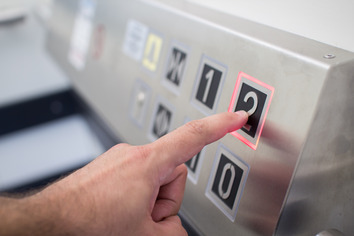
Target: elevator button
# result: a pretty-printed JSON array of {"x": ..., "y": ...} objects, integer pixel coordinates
[
  {"x": 227, "y": 181},
  {"x": 175, "y": 67},
  {"x": 194, "y": 166},
  {"x": 254, "y": 97},
  {"x": 140, "y": 101},
  {"x": 135, "y": 38},
  {"x": 152, "y": 51},
  {"x": 208, "y": 86},
  {"x": 193, "y": 163},
  {"x": 162, "y": 119}
]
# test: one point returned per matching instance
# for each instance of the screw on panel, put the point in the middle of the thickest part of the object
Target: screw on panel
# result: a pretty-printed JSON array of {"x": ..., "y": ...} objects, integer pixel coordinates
[{"x": 329, "y": 56}]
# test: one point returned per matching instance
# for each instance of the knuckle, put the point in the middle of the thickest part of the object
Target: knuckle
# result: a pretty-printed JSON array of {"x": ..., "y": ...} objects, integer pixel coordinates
[
  {"x": 115, "y": 150},
  {"x": 142, "y": 152},
  {"x": 197, "y": 127},
  {"x": 131, "y": 153},
  {"x": 120, "y": 146},
  {"x": 184, "y": 170}
]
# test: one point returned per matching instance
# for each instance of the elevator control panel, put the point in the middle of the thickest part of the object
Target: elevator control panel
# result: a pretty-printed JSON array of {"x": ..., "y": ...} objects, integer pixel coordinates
[{"x": 146, "y": 67}]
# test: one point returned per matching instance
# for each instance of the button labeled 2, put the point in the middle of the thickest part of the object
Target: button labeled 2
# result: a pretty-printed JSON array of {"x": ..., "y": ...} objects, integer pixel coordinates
[
  {"x": 253, "y": 96},
  {"x": 227, "y": 181},
  {"x": 208, "y": 85}
]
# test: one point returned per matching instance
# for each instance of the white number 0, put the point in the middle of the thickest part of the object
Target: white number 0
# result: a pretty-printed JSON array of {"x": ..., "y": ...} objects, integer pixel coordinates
[{"x": 231, "y": 168}]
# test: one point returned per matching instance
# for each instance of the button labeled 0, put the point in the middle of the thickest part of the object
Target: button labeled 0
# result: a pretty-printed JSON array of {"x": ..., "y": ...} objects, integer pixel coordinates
[{"x": 227, "y": 181}]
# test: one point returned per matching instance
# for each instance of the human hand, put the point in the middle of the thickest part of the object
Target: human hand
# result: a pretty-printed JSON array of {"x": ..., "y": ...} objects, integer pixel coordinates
[{"x": 133, "y": 190}]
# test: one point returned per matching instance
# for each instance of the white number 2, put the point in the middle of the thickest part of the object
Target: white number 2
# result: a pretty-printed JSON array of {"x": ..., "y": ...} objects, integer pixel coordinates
[{"x": 251, "y": 95}]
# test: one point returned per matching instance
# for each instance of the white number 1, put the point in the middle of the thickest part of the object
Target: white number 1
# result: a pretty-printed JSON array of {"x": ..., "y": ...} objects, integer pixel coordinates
[{"x": 209, "y": 76}]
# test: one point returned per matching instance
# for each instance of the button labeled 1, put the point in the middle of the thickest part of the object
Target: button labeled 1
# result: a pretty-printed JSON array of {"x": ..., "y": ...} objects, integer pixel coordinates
[
  {"x": 208, "y": 85},
  {"x": 227, "y": 181},
  {"x": 253, "y": 96}
]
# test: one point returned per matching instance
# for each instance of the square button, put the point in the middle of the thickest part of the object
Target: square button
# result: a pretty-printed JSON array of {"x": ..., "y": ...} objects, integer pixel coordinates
[
  {"x": 226, "y": 182},
  {"x": 254, "y": 97},
  {"x": 135, "y": 39},
  {"x": 139, "y": 102},
  {"x": 152, "y": 51},
  {"x": 208, "y": 85},
  {"x": 162, "y": 119},
  {"x": 175, "y": 67},
  {"x": 194, "y": 166}
]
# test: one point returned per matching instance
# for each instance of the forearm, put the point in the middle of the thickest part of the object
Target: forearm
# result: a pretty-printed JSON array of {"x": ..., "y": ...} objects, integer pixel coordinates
[
  {"x": 39, "y": 214},
  {"x": 24, "y": 216}
]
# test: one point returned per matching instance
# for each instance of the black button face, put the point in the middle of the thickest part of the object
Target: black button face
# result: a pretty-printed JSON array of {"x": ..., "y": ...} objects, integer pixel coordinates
[
  {"x": 176, "y": 66},
  {"x": 193, "y": 163},
  {"x": 162, "y": 121},
  {"x": 227, "y": 181},
  {"x": 208, "y": 86},
  {"x": 252, "y": 101},
  {"x": 253, "y": 96}
]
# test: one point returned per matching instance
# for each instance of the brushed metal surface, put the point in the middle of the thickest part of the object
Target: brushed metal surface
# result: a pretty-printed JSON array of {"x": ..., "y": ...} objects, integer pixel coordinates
[{"x": 300, "y": 180}]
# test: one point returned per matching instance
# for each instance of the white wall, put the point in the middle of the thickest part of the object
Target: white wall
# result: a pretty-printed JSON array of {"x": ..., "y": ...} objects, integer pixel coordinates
[
  {"x": 22, "y": 2},
  {"x": 327, "y": 21}
]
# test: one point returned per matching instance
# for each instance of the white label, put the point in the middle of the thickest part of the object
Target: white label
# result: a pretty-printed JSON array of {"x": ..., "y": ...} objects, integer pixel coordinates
[
  {"x": 82, "y": 31},
  {"x": 135, "y": 38}
]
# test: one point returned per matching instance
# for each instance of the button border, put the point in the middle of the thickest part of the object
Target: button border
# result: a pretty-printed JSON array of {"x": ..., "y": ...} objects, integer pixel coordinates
[
  {"x": 138, "y": 84},
  {"x": 159, "y": 35},
  {"x": 193, "y": 177},
  {"x": 217, "y": 65},
  {"x": 261, "y": 86},
  {"x": 144, "y": 31},
  {"x": 169, "y": 85},
  {"x": 165, "y": 102},
  {"x": 230, "y": 213}
]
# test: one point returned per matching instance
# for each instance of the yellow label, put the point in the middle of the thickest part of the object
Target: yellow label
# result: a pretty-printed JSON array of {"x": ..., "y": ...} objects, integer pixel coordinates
[{"x": 152, "y": 51}]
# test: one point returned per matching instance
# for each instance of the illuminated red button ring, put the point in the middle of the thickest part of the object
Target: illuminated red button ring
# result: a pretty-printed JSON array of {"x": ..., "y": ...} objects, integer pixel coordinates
[{"x": 254, "y": 97}]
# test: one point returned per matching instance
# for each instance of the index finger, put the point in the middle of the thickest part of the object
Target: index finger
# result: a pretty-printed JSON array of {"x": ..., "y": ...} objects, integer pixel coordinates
[{"x": 185, "y": 142}]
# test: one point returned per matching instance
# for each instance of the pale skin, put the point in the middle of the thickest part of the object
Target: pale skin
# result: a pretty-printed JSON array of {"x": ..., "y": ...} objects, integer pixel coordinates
[{"x": 128, "y": 190}]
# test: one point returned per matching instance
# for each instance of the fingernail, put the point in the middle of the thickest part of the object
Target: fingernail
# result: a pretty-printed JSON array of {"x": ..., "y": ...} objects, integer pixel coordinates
[{"x": 242, "y": 113}]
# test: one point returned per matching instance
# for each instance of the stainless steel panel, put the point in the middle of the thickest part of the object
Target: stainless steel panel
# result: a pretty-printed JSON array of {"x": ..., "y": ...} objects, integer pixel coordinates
[{"x": 299, "y": 180}]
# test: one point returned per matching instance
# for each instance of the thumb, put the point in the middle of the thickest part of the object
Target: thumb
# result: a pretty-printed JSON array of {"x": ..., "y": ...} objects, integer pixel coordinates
[{"x": 171, "y": 225}]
